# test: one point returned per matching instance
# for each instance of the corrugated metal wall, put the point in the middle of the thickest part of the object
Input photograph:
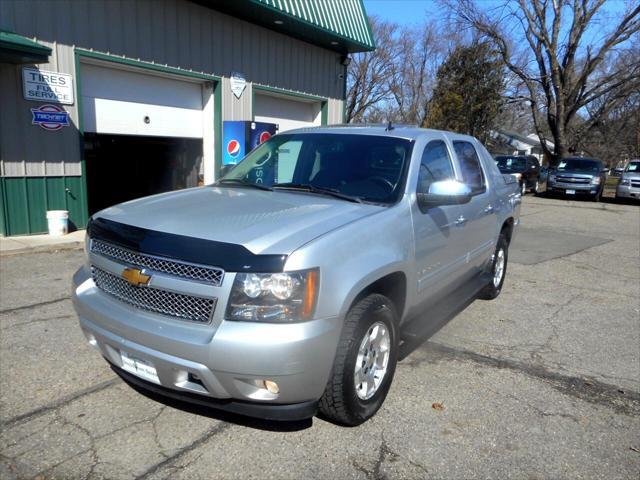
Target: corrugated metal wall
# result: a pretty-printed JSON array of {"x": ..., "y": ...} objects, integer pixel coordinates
[{"x": 177, "y": 33}]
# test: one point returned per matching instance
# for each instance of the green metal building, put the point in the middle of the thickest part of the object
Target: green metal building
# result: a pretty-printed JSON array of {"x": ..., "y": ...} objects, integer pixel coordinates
[{"x": 103, "y": 101}]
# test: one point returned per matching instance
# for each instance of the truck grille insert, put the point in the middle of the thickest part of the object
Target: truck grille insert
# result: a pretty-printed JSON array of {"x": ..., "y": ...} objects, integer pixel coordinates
[
  {"x": 186, "y": 307},
  {"x": 201, "y": 273}
]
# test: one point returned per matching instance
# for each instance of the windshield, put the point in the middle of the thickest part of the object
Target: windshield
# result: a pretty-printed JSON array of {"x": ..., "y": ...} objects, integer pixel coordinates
[
  {"x": 511, "y": 164},
  {"x": 365, "y": 167},
  {"x": 633, "y": 167},
  {"x": 580, "y": 165}
]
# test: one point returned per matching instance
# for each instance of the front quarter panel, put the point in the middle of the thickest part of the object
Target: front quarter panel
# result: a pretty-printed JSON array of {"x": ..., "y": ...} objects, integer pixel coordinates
[{"x": 352, "y": 257}]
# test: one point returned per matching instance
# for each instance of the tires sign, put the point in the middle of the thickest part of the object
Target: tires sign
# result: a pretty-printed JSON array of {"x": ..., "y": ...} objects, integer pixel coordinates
[
  {"x": 50, "y": 117},
  {"x": 46, "y": 86}
]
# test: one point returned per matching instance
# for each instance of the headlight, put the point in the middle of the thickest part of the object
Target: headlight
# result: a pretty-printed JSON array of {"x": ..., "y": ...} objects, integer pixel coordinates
[
  {"x": 625, "y": 181},
  {"x": 552, "y": 178},
  {"x": 273, "y": 297},
  {"x": 596, "y": 181},
  {"x": 517, "y": 175}
]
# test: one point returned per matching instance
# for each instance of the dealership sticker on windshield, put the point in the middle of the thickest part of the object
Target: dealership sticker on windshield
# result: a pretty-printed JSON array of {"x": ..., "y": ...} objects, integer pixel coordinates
[{"x": 139, "y": 367}]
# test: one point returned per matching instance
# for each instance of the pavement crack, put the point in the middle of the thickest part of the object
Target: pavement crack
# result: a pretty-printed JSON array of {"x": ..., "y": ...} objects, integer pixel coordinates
[
  {"x": 587, "y": 389},
  {"x": 60, "y": 403},
  {"x": 35, "y": 305},
  {"x": 170, "y": 460},
  {"x": 36, "y": 320},
  {"x": 385, "y": 453}
]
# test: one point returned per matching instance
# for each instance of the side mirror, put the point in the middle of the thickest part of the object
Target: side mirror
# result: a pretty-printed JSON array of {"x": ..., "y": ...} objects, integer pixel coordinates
[
  {"x": 227, "y": 168},
  {"x": 445, "y": 192}
]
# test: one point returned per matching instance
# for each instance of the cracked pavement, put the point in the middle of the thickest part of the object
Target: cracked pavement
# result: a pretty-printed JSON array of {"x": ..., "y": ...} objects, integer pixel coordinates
[{"x": 543, "y": 382}]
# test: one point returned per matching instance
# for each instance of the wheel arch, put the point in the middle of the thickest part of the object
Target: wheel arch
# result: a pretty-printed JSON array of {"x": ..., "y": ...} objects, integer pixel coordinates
[{"x": 392, "y": 285}]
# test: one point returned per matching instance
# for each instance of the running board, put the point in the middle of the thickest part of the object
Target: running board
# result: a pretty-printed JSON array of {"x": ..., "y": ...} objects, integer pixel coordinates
[{"x": 437, "y": 315}]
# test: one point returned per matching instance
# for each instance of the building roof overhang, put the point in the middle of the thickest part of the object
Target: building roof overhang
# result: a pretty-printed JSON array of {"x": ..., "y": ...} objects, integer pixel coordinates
[
  {"x": 339, "y": 26},
  {"x": 15, "y": 48}
]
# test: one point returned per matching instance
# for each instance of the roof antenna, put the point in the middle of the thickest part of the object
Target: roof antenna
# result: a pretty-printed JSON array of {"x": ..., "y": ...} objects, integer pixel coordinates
[{"x": 389, "y": 127}]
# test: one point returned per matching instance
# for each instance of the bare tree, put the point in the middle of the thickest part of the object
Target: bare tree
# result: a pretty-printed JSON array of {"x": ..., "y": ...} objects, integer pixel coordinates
[
  {"x": 369, "y": 73},
  {"x": 563, "y": 73}
]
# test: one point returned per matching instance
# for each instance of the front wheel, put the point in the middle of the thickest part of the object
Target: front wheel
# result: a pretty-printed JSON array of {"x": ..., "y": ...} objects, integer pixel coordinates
[
  {"x": 365, "y": 362},
  {"x": 536, "y": 188},
  {"x": 498, "y": 270}
]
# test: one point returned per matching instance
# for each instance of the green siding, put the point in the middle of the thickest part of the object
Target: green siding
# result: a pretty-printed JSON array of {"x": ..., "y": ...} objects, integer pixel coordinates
[{"x": 25, "y": 202}]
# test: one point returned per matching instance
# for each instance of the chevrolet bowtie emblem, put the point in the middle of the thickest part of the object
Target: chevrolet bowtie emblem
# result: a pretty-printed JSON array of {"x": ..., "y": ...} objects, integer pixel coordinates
[{"x": 135, "y": 277}]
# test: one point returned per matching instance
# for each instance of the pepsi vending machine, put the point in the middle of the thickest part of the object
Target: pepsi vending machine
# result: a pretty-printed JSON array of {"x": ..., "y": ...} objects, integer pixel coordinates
[{"x": 239, "y": 137}]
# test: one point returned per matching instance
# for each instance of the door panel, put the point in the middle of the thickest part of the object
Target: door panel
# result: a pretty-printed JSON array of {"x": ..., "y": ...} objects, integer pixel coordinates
[
  {"x": 479, "y": 213},
  {"x": 440, "y": 251}
]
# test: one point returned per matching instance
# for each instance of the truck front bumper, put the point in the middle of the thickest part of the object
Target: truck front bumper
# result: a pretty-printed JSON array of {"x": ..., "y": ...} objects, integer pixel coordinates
[
  {"x": 221, "y": 365},
  {"x": 577, "y": 189},
  {"x": 628, "y": 191}
]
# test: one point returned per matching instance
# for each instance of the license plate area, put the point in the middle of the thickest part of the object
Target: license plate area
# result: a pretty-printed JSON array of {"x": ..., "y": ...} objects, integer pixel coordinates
[
  {"x": 139, "y": 367},
  {"x": 571, "y": 192}
]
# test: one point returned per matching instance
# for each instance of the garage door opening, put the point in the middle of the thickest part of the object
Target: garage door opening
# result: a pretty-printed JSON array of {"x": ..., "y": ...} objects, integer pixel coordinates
[{"x": 125, "y": 167}]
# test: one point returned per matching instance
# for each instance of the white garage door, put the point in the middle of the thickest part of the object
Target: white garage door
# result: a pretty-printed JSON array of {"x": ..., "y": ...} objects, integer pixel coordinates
[
  {"x": 286, "y": 113},
  {"x": 130, "y": 103}
]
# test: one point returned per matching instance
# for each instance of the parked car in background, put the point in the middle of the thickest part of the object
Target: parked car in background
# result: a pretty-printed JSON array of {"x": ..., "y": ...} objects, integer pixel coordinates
[
  {"x": 617, "y": 171},
  {"x": 288, "y": 285},
  {"x": 525, "y": 168},
  {"x": 578, "y": 177},
  {"x": 629, "y": 184}
]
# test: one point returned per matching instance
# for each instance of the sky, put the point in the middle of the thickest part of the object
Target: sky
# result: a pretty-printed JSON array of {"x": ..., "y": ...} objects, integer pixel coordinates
[
  {"x": 401, "y": 11},
  {"x": 415, "y": 11}
]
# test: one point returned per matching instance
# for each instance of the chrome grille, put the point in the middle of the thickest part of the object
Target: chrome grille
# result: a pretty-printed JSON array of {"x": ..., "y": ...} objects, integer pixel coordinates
[
  {"x": 190, "y": 271},
  {"x": 573, "y": 180},
  {"x": 186, "y": 307}
]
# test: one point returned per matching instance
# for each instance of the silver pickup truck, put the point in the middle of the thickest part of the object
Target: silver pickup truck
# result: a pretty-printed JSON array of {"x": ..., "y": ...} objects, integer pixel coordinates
[{"x": 290, "y": 284}]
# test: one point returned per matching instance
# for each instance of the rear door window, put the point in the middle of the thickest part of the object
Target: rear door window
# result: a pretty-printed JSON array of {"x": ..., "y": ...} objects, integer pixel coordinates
[{"x": 470, "y": 167}]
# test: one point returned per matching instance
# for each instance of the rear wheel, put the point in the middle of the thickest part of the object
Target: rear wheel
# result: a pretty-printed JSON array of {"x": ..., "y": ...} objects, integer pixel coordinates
[
  {"x": 498, "y": 270},
  {"x": 365, "y": 362}
]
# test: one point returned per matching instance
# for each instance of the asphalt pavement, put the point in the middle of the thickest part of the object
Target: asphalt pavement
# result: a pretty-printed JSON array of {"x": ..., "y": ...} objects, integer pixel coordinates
[{"x": 543, "y": 382}]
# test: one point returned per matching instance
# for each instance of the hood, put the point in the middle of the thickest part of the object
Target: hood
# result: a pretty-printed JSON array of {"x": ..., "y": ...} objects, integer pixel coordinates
[
  {"x": 263, "y": 222},
  {"x": 631, "y": 175},
  {"x": 575, "y": 173}
]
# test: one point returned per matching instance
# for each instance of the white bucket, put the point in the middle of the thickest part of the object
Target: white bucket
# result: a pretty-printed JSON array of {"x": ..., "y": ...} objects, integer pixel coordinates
[{"x": 58, "y": 222}]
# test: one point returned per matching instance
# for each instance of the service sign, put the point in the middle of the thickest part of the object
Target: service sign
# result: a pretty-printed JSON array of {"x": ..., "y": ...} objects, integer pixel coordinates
[{"x": 45, "y": 86}]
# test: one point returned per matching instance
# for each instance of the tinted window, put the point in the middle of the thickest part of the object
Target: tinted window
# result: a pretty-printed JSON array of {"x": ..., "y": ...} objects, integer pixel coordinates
[
  {"x": 369, "y": 167},
  {"x": 511, "y": 164},
  {"x": 580, "y": 165},
  {"x": 435, "y": 165},
  {"x": 633, "y": 167},
  {"x": 469, "y": 166}
]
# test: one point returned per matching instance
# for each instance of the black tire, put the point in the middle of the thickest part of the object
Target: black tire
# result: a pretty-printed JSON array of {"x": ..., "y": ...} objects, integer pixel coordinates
[
  {"x": 491, "y": 291},
  {"x": 536, "y": 188},
  {"x": 597, "y": 196},
  {"x": 340, "y": 402}
]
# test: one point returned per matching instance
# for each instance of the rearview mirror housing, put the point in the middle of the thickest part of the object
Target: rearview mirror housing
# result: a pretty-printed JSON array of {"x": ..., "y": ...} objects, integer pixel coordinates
[{"x": 445, "y": 192}]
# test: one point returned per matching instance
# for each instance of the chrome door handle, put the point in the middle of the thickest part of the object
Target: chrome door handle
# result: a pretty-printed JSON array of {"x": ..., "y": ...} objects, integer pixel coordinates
[
  {"x": 488, "y": 209},
  {"x": 461, "y": 221}
]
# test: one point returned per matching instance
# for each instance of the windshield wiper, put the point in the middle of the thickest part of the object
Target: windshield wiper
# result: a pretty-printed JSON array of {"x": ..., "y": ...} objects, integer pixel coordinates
[
  {"x": 307, "y": 187},
  {"x": 242, "y": 183}
]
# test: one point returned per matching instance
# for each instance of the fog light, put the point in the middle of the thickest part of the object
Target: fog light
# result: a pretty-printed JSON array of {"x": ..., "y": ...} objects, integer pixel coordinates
[{"x": 272, "y": 387}]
